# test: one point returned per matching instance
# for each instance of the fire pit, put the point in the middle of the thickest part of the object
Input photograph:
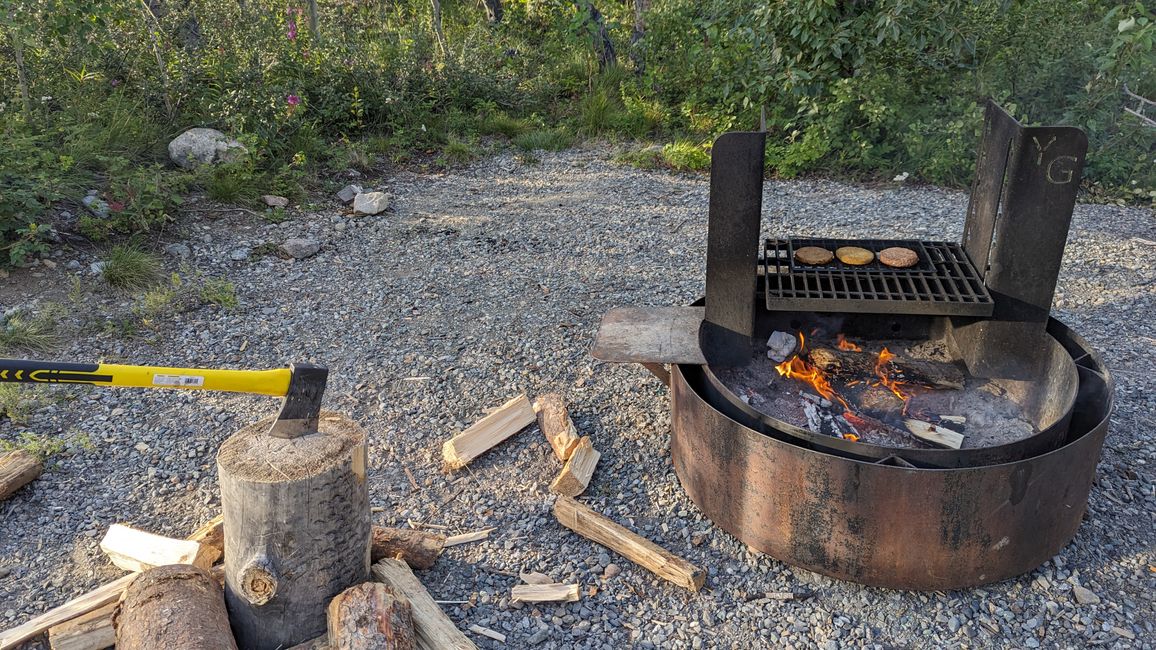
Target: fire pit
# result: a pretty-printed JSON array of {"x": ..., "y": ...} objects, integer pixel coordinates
[{"x": 961, "y": 455}]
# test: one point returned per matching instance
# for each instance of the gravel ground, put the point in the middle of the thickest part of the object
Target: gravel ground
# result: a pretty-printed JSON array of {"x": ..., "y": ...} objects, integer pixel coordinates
[{"x": 489, "y": 281}]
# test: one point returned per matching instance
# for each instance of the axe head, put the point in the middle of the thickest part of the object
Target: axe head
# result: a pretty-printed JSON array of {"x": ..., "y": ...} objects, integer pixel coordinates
[{"x": 301, "y": 406}]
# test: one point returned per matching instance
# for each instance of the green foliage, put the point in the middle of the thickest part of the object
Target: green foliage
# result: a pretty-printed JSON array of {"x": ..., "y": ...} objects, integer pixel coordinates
[
  {"x": 131, "y": 268},
  {"x": 47, "y": 446},
  {"x": 18, "y": 401},
  {"x": 544, "y": 140},
  {"x": 220, "y": 292},
  {"x": 686, "y": 156},
  {"x": 457, "y": 152},
  {"x": 27, "y": 332}
]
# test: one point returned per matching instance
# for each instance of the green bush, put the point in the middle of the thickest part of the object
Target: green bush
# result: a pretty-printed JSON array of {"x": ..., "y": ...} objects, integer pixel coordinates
[
  {"x": 131, "y": 268},
  {"x": 544, "y": 139},
  {"x": 686, "y": 156}
]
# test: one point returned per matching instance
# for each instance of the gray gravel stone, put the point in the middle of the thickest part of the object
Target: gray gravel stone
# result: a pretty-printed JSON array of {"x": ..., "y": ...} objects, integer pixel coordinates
[{"x": 538, "y": 253}]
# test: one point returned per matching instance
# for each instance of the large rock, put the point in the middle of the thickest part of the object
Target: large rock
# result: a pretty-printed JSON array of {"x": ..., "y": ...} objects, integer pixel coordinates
[
  {"x": 371, "y": 203},
  {"x": 348, "y": 193},
  {"x": 300, "y": 248},
  {"x": 201, "y": 146}
]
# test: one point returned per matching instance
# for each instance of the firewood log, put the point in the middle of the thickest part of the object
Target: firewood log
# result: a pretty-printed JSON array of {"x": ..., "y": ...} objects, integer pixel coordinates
[
  {"x": 369, "y": 616},
  {"x": 174, "y": 606},
  {"x": 17, "y": 468},
  {"x": 434, "y": 630},
  {"x": 510, "y": 418},
  {"x": 556, "y": 425},
  {"x": 416, "y": 548}
]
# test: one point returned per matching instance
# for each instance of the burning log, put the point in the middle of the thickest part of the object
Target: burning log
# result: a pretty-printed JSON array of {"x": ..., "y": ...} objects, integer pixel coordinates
[
  {"x": 369, "y": 616},
  {"x": 416, "y": 548},
  {"x": 934, "y": 434},
  {"x": 175, "y": 606},
  {"x": 847, "y": 366}
]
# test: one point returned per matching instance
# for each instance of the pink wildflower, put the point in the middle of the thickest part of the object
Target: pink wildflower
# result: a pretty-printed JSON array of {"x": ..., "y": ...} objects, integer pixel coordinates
[{"x": 293, "y": 100}]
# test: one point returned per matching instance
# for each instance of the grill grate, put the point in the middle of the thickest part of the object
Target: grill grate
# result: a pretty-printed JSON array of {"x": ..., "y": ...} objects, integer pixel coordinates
[{"x": 944, "y": 283}]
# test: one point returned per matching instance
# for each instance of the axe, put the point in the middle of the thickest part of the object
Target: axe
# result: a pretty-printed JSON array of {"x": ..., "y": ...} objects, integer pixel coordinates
[{"x": 301, "y": 386}]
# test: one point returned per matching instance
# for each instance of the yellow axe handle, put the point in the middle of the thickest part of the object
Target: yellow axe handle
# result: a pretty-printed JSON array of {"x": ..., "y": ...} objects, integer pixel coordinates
[{"x": 260, "y": 382}]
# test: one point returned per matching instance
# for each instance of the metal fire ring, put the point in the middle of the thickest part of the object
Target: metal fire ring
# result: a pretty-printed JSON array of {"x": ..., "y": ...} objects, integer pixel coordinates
[{"x": 883, "y": 525}]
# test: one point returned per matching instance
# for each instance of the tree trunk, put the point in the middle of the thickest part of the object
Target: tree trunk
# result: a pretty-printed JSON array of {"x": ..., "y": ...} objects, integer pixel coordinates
[
  {"x": 437, "y": 25},
  {"x": 174, "y": 606},
  {"x": 370, "y": 616},
  {"x": 314, "y": 23},
  {"x": 636, "y": 34},
  {"x": 296, "y": 528},
  {"x": 493, "y": 11},
  {"x": 603, "y": 46},
  {"x": 17, "y": 39}
]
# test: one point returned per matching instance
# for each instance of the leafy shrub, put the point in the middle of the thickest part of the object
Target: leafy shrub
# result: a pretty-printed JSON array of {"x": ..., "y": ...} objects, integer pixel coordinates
[
  {"x": 686, "y": 156},
  {"x": 220, "y": 292}
]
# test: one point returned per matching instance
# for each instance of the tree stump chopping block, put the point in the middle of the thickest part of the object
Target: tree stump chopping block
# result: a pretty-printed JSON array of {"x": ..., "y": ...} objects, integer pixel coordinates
[
  {"x": 173, "y": 606},
  {"x": 297, "y": 528}
]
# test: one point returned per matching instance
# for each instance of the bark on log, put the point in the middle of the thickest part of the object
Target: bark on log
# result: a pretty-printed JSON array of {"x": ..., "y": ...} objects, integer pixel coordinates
[
  {"x": 296, "y": 528},
  {"x": 17, "y": 469},
  {"x": 175, "y": 606},
  {"x": 556, "y": 425},
  {"x": 434, "y": 630},
  {"x": 369, "y": 616},
  {"x": 416, "y": 548},
  {"x": 847, "y": 365}
]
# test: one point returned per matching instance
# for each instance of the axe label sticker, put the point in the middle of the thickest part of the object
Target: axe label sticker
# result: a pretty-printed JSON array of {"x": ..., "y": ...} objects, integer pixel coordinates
[{"x": 178, "y": 380}]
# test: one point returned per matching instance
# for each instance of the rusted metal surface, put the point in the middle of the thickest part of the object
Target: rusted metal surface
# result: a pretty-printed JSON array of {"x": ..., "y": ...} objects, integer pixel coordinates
[
  {"x": 1017, "y": 225},
  {"x": 649, "y": 335},
  {"x": 886, "y": 525}
]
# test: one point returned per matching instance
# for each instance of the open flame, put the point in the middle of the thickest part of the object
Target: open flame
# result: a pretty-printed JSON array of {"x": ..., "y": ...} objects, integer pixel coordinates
[
  {"x": 882, "y": 371},
  {"x": 843, "y": 344},
  {"x": 799, "y": 368}
]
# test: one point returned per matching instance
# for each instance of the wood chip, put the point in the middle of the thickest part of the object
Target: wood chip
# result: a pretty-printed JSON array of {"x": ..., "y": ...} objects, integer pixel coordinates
[
  {"x": 535, "y": 578},
  {"x": 464, "y": 538},
  {"x": 510, "y": 418},
  {"x": 544, "y": 593},
  {"x": 485, "y": 631}
]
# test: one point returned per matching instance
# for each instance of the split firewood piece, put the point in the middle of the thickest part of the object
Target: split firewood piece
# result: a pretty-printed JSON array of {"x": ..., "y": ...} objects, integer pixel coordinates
[
  {"x": 849, "y": 366},
  {"x": 416, "y": 548},
  {"x": 556, "y": 425},
  {"x": 79, "y": 606},
  {"x": 535, "y": 578},
  {"x": 954, "y": 419},
  {"x": 630, "y": 545},
  {"x": 174, "y": 606},
  {"x": 17, "y": 469},
  {"x": 136, "y": 550},
  {"x": 547, "y": 593},
  {"x": 510, "y": 418},
  {"x": 369, "y": 616},
  {"x": 485, "y": 631},
  {"x": 92, "y": 631},
  {"x": 933, "y": 434},
  {"x": 433, "y": 629},
  {"x": 575, "y": 475},
  {"x": 211, "y": 535}
]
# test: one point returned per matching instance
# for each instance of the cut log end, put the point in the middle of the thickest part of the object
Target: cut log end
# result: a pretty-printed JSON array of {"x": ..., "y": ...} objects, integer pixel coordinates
[{"x": 577, "y": 472}]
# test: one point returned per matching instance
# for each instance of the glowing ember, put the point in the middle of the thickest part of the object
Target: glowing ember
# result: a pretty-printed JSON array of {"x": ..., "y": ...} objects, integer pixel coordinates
[{"x": 843, "y": 344}]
